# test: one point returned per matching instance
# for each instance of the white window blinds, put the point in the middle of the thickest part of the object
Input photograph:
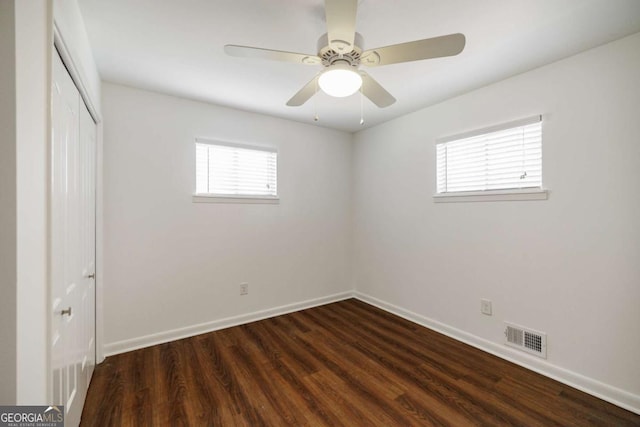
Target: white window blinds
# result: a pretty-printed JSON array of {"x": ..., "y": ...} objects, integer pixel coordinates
[
  {"x": 503, "y": 157},
  {"x": 226, "y": 169}
]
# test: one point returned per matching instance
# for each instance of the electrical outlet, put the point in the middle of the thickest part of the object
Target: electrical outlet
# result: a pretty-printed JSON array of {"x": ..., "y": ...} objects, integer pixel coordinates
[
  {"x": 485, "y": 307},
  {"x": 244, "y": 288}
]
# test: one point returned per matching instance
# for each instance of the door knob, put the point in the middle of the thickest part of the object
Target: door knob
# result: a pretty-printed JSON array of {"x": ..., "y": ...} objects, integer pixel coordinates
[
  {"x": 67, "y": 312},
  {"x": 91, "y": 276}
]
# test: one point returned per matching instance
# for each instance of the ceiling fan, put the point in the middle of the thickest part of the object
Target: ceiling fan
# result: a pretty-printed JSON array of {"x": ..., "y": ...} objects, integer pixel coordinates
[{"x": 340, "y": 53}]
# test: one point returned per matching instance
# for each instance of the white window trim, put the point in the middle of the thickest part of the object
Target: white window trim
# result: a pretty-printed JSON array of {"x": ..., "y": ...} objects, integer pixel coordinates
[
  {"x": 514, "y": 194},
  {"x": 510, "y": 194},
  {"x": 214, "y": 198},
  {"x": 241, "y": 199}
]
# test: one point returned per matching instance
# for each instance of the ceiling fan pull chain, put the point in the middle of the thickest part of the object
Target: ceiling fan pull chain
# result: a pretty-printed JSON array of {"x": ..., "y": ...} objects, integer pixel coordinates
[
  {"x": 361, "y": 106},
  {"x": 315, "y": 102}
]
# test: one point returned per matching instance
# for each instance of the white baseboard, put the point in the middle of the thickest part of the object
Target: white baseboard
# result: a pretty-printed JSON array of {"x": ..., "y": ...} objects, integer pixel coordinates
[
  {"x": 189, "y": 331},
  {"x": 596, "y": 388}
]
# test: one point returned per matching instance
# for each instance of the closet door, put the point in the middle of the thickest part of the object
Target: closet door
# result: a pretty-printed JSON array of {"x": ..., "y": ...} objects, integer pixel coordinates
[
  {"x": 72, "y": 245},
  {"x": 88, "y": 243}
]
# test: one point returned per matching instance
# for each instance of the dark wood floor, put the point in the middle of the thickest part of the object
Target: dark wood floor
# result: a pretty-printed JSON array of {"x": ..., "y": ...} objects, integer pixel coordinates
[{"x": 346, "y": 363}]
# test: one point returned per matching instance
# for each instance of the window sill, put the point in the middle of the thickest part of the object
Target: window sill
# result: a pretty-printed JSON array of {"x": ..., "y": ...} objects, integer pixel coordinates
[
  {"x": 493, "y": 195},
  {"x": 210, "y": 198}
]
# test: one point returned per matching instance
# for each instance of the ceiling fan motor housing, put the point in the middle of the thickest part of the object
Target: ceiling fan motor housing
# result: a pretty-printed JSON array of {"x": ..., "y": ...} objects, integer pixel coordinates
[{"x": 329, "y": 56}]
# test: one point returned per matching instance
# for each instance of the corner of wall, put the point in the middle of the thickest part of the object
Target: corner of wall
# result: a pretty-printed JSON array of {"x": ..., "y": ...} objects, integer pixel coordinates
[
  {"x": 33, "y": 27},
  {"x": 8, "y": 220}
]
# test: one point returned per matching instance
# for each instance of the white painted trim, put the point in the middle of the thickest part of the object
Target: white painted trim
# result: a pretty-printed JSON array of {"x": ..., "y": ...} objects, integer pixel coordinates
[
  {"x": 74, "y": 72},
  {"x": 212, "y": 198},
  {"x": 99, "y": 279},
  {"x": 492, "y": 195},
  {"x": 189, "y": 331},
  {"x": 606, "y": 392}
]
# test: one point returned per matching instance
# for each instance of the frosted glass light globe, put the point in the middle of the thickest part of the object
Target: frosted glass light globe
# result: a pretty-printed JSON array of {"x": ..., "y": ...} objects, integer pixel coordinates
[{"x": 340, "y": 80}]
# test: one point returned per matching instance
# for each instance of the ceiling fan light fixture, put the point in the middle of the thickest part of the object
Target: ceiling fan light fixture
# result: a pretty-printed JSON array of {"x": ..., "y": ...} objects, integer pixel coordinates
[{"x": 340, "y": 80}]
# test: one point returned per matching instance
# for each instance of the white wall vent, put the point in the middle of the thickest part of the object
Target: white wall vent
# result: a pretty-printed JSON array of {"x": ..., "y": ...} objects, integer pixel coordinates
[{"x": 528, "y": 340}]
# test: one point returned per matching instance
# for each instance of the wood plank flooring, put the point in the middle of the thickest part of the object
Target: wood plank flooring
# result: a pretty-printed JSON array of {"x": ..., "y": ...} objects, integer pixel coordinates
[{"x": 342, "y": 364}]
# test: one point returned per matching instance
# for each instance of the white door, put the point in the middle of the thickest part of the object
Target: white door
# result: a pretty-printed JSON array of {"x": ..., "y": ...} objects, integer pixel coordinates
[
  {"x": 88, "y": 242},
  {"x": 72, "y": 245}
]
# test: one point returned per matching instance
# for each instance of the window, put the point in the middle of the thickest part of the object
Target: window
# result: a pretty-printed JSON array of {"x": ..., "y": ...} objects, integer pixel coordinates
[
  {"x": 228, "y": 170},
  {"x": 505, "y": 159}
]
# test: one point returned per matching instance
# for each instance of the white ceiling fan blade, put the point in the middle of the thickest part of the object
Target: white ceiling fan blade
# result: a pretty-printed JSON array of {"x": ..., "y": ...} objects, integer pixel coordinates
[
  {"x": 304, "y": 94},
  {"x": 274, "y": 55},
  {"x": 341, "y": 24},
  {"x": 376, "y": 93},
  {"x": 435, "y": 47}
]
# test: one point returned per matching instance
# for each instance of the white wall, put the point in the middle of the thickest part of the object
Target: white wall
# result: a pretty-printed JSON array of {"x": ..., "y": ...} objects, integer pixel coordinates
[
  {"x": 568, "y": 266},
  {"x": 173, "y": 267},
  {"x": 33, "y": 51},
  {"x": 7, "y": 203}
]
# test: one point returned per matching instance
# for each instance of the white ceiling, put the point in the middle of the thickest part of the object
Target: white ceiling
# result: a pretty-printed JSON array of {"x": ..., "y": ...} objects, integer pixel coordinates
[{"x": 176, "y": 47}]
